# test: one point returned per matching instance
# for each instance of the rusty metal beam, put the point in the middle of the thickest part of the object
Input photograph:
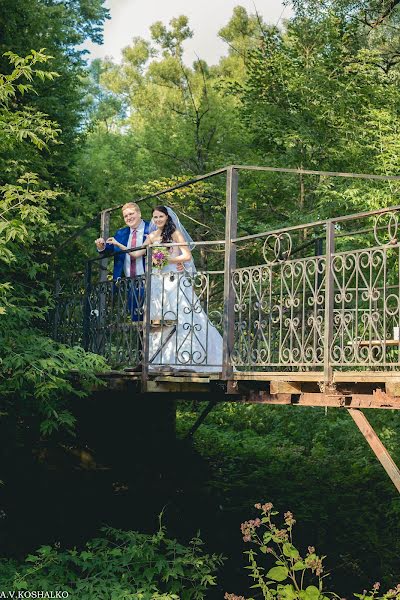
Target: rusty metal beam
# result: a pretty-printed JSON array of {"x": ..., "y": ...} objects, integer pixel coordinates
[
  {"x": 377, "y": 399},
  {"x": 377, "y": 447},
  {"x": 320, "y": 173}
]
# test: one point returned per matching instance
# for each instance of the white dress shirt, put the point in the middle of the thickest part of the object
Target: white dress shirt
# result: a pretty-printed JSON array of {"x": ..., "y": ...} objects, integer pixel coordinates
[{"x": 139, "y": 261}]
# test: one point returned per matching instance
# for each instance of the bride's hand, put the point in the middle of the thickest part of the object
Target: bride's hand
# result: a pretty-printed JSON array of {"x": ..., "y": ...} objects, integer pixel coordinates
[{"x": 114, "y": 242}]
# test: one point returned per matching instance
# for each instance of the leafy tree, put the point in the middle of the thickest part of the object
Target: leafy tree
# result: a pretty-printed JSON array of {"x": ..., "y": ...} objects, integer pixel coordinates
[
  {"x": 242, "y": 34},
  {"x": 316, "y": 98},
  {"x": 176, "y": 115},
  {"x": 35, "y": 373},
  {"x": 60, "y": 27}
]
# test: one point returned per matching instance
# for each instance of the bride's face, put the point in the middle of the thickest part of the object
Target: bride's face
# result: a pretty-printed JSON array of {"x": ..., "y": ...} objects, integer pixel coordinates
[{"x": 159, "y": 218}]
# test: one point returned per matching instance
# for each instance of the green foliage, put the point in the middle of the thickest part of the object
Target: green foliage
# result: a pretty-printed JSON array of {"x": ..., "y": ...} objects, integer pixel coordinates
[
  {"x": 35, "y": 372},
  {"x": 24, "y": 208},
  {"x": 61, "y": 27},
  {"x": 294, "y": 577},
  {"x": 25, "y": 123},
  {"x": 37, "y": 378},
  {"x": 121, "y": 565},
  {"x": 317, "y": 96},
  {"x": 172, "y": 119}
]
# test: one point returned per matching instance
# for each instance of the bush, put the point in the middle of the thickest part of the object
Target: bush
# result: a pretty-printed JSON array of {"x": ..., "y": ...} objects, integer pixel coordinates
[{"x": 121, "y": 565}]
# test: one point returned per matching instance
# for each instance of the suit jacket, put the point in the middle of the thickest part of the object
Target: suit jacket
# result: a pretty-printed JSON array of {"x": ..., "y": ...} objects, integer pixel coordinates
[{"x": 122, "y": 236}]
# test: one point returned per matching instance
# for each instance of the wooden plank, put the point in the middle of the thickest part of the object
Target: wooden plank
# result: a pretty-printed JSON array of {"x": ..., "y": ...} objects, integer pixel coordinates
[
  {"x": 316, "y": 376},
  {"x": 285, "y": 387},
  {"x": 302, "y": 376},
  {"x": 364, "y": 376},
  {"x": 177, "y": 379},
  {"x": 278, "y": 375},
  {"x": 377, "y": 447},
  {"x": 177, "y": 387},
  {"x": 393, "y": 387}
]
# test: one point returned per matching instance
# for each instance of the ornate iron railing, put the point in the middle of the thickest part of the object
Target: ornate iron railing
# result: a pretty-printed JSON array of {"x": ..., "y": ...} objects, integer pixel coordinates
[
  {"x": 322, "y": 296},
  {"x": 331, "y": 309},
  {"x": 183, "y": 317}
]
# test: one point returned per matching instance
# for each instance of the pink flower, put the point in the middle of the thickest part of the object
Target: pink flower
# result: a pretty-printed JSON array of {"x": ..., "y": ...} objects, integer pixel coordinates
[
  {"x": 376, "y": 586},
  {"x": 289, "y": 520}
]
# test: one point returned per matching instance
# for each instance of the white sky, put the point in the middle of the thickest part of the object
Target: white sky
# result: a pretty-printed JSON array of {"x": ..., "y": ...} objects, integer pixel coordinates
[{"x": 131, "y": 18}]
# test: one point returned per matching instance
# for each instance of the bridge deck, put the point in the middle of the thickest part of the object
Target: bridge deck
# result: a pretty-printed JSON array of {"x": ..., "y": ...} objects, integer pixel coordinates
[{"x": 352, "y": 389}]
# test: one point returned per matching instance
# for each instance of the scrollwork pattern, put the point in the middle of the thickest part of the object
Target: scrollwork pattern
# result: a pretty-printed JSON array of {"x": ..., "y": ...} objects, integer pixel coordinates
[{"x": 279, "y": 313}]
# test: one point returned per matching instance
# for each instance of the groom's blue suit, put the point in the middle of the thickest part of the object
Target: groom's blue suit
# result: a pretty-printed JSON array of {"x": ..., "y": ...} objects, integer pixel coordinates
[
  {"x": 122, "y": 236},
  {"x": 136, "y": 292}
]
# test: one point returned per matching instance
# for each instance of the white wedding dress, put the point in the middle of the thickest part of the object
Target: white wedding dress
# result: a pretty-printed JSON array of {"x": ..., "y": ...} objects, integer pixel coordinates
[{"x": 181, "y": 335}]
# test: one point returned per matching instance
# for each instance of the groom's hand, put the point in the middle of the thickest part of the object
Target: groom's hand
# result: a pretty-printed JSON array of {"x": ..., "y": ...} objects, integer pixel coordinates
[{"x": 100, "y": 244}]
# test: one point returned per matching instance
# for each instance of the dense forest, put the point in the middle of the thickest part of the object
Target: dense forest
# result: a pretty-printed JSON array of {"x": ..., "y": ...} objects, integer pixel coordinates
[{"x": 320, "y": 91}]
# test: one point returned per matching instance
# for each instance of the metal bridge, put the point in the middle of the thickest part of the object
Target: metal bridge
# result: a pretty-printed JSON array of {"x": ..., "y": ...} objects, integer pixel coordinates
[{"x": 308, "y": 314}]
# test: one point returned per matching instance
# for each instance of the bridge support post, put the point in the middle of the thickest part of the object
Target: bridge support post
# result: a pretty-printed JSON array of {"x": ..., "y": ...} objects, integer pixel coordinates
[
  {"x": 201, "y": 418},
  {"x": 377, "y": 447},
  {"x": 230, "y": 265}
]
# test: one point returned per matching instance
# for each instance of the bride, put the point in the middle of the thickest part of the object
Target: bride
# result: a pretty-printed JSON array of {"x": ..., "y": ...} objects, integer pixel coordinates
[{"x": 181, "y": 335}]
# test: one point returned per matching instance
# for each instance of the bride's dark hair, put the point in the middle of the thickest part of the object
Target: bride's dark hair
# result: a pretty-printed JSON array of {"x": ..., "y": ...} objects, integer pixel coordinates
[{"x": 169, "y": 227}]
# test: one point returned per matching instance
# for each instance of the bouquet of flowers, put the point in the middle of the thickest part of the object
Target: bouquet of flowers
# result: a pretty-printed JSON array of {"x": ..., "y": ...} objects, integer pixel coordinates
[{"x": 160, "y": 257}]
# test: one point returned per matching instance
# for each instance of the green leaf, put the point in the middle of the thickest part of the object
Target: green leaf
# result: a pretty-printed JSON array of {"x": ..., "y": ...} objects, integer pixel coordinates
[
  {"x": 312, "y": 592},
  {"x": 287, "y": 592},
  {"x": 278, "y": 573},
  {"x": 290, "y": 551}
]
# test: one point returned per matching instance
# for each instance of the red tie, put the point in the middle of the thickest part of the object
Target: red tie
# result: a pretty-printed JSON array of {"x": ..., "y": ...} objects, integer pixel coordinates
[{"x": 133, "y": 260}]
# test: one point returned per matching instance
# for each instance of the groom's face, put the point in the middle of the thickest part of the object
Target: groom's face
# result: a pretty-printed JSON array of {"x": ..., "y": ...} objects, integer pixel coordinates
[{"x": 132, "y": 216}]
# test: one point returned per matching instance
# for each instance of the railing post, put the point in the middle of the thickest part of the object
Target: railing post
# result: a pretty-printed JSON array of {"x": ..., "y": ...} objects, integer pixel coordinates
[
  {"x": 104, "y": 233},
  {"x": 329, "y": 303},
  {"x": 103, "y": 264},
  {"x": 86, "y": 305},
  {"x": 146, "y": 319},
  {"x": 230, "y": 265}
]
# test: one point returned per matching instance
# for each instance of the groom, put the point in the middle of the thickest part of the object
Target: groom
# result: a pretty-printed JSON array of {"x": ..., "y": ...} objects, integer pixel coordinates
[{"x": 131, "y": 236}]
